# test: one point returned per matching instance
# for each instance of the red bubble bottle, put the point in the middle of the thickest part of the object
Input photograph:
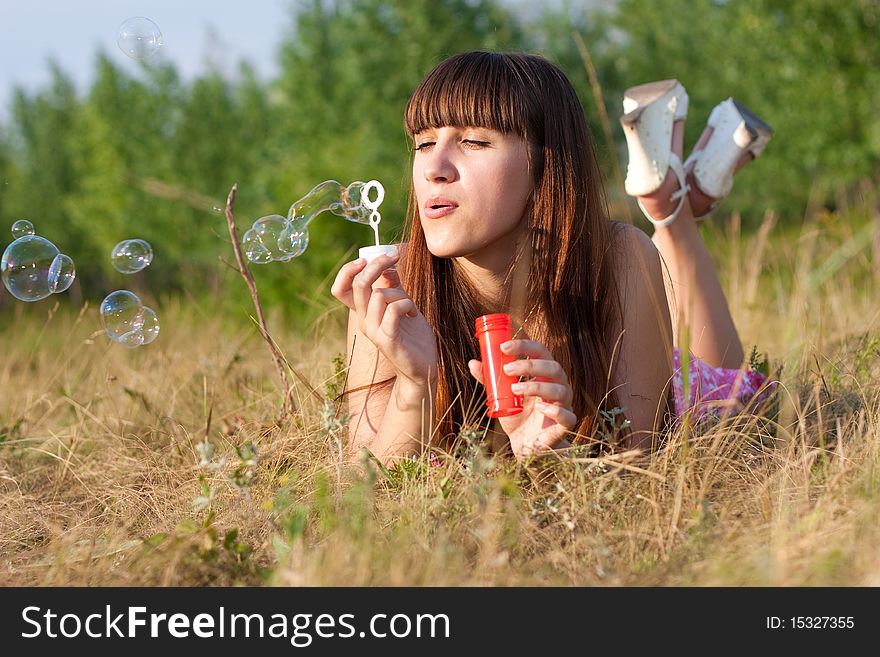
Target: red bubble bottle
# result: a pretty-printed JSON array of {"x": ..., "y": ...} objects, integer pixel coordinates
[{"x": 491, "y": 331}]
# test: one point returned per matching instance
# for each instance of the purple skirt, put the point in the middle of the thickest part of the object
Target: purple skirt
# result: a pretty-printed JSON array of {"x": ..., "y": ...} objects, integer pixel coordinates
[{"x": 718, "y": 391}]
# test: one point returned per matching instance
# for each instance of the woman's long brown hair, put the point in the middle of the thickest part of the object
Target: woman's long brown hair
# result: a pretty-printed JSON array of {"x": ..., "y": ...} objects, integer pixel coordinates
[{"x": 570, "y": 299}]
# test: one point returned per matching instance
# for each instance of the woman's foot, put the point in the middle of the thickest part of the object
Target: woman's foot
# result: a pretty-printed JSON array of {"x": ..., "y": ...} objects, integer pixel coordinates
[
  {"x": 653, "y": 124},
  {"x": 733, "y": 137}
]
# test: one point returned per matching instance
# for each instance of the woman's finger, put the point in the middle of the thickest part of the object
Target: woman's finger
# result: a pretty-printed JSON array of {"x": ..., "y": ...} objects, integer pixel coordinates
[
  {"x": 476, "y": 368},
  {"x": 549, "y": 370},
  {"x": 390, "y": 278},
  {"x": 395, "y": 312},
  {"x": 560, "y": 414},
  {"x": 341, "y": 288},
  {"x": 377, "y": 307},
  {"x": 526, "y": 349},
  {"x": 546, "y": 390},
  {"x": 362, "y": 284}
]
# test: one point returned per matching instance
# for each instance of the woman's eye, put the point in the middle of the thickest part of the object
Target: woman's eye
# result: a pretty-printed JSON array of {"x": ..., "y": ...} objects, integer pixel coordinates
[
  {"x": 474, "y": 143},
  {"x": 423, "y": 145}
]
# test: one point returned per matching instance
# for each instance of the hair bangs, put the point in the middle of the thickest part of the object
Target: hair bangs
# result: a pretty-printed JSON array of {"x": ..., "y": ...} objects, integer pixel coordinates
[{"x": 472, "y": 89}]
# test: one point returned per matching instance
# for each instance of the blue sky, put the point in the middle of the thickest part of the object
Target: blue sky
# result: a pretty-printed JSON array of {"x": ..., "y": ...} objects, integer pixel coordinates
[{"x": 73, "y": 31}]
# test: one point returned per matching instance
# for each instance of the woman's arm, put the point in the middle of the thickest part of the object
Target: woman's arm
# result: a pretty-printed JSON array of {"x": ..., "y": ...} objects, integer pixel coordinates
[
  {"x": 643, "y": 359},
  {"x": 393, "y": 361},
  {"x": 389, "y": 415}
]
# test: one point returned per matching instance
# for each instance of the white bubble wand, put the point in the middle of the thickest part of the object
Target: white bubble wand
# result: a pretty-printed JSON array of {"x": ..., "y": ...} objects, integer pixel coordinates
[{"x": 370, "y": 252}]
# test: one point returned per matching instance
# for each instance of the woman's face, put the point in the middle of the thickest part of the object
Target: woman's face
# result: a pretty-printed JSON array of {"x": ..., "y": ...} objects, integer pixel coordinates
[{"x": 472, "y": 186}]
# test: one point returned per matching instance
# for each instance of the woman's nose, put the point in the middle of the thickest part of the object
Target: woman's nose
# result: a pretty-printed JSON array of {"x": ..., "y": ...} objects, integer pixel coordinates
[{"x": 439, "y": 167}]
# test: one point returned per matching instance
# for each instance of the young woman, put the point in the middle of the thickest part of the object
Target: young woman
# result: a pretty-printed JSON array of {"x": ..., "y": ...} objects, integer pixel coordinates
[{"x": 509, "y": 215}]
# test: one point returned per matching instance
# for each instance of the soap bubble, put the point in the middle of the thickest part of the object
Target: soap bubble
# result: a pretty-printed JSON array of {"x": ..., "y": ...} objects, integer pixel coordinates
[
  {"x": 295, "y": 237},
  {"x": 139, "y": 38},
  {"x": 32, "y": 268},
  {"x": 131, "y": 256},
  {"x": 150, "y": 329},
  {"x": 263, "y": 241},
  {"x": 330, "y": 195},
  {"x": 127, "y": 321},
  {"x": 21, "y": 228},
  {"x": 254, "y": 249},
  {"x": 276, "y": 239},
  {"x": 61, "y": 273},
  {"x": 121, "y": 313}
]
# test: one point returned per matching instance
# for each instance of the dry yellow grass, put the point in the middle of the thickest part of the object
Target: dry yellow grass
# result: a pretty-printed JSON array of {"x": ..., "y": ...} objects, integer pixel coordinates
[{"x": 103, "y": 482}]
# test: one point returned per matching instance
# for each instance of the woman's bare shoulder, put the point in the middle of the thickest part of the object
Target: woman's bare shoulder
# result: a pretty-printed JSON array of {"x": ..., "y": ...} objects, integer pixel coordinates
[
  {"x": 627, "y": 237},
  {"x": 635, "y": 253}
]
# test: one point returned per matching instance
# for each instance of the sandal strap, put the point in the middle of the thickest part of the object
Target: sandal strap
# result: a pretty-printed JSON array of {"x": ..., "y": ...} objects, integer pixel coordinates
[
  {"x": 681, "y": 193},
  {"x": 693, "y": 157}
]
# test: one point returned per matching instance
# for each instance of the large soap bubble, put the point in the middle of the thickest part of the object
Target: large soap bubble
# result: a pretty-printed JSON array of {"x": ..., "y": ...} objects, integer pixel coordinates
[
  {"x": 139, "y": 38},
  {"x": 127, "y": 321},
  {"x": 268, "y": 241},
  {"x": 33, "y": 268},
  {"x": 131, "y": 256}
]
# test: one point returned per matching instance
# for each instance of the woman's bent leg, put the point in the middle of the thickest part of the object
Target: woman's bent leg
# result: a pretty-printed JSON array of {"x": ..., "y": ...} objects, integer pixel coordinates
[{"x": 696, "y": 299}]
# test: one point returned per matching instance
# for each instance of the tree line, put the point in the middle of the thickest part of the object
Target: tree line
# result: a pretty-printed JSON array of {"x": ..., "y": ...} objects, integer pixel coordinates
[{"x": 153, "y": 156}]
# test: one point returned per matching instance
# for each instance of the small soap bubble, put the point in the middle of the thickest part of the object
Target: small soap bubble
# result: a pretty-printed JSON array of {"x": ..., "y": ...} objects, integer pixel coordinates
[
  {"x": 127, "y": 321},
  {"x": 121, "y": 313},
  {"x": 61, "y": 273},
  {"x": 254, "y": 249},
  {"x": 131, "y": 256},
  {"x": 139, "y": 37},
  {"x": 32, "y": 268},
  {"x": 150, "y": 328},
  {"x": 21, "y": 228}
]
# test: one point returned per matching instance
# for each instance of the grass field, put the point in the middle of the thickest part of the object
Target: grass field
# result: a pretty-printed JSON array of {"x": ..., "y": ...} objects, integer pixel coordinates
[{"x": 166, "y": 465}]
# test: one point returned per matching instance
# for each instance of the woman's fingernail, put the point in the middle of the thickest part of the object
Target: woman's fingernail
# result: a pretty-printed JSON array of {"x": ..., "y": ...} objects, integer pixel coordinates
[
  {"x": 516, "y": 388},
  {"x": 506, "y": 347},
  {"x": 359, "y": 261},
  {"x": 510, "y": 368}
]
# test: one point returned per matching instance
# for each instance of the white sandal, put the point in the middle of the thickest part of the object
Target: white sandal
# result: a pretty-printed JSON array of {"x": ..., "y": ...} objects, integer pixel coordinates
[
  {"x": 736, "y": 130},
  {"x": 651, "y": 110}
]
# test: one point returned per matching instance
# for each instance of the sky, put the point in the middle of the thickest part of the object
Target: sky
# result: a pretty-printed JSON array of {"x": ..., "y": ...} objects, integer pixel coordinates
[{"x": 74, "y": 31}]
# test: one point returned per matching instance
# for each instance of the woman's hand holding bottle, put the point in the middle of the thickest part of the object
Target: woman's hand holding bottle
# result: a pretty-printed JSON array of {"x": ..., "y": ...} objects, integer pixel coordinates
[
  {"x": 388, "y": 317},
  {"x": 547, "y": 418}
]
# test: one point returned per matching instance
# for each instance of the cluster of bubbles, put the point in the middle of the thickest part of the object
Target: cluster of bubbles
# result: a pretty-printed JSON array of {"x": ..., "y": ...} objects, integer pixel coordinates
[
  {"x": 127, "y": 320},
  {"x": 32, "y": 267},
  {"x": 279, "y": 239},
  {"x": 139, "y": 38}
]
